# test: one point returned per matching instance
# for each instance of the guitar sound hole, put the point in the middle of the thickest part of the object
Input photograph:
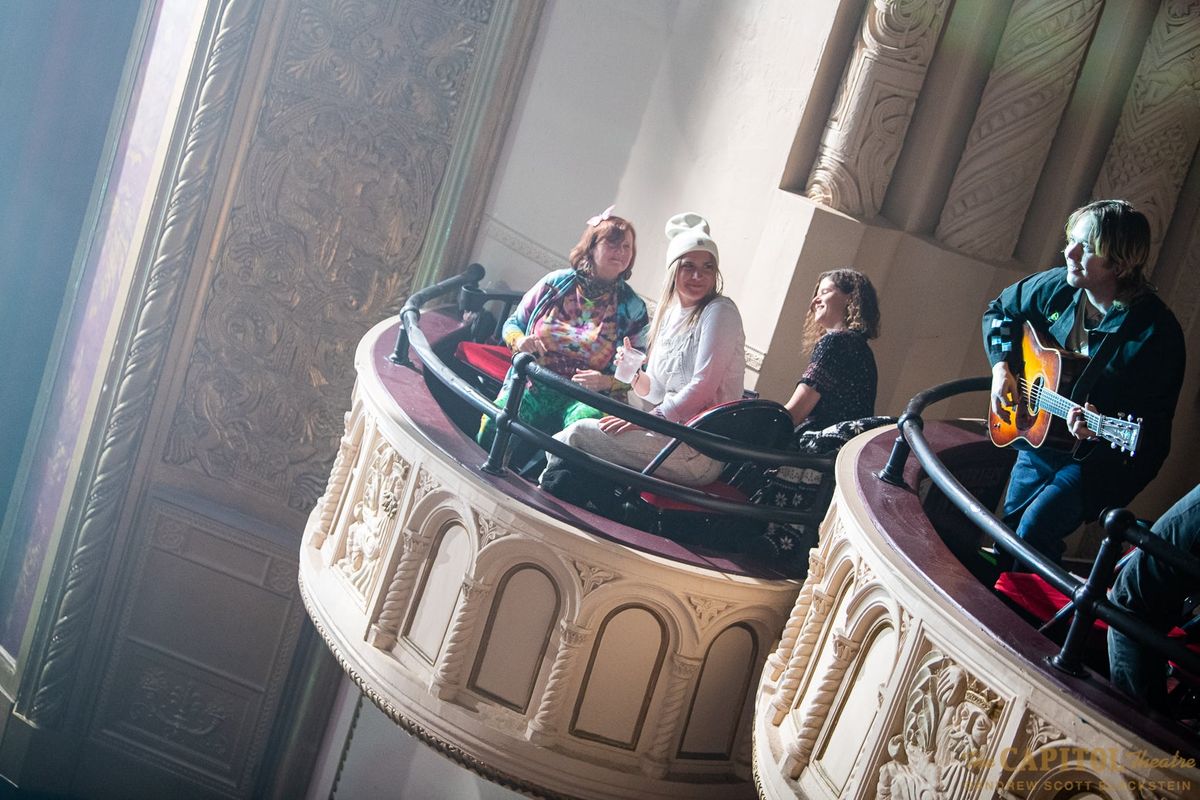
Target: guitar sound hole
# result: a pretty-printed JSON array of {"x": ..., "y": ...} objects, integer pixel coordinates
[{"x": 1035, "y": 393}]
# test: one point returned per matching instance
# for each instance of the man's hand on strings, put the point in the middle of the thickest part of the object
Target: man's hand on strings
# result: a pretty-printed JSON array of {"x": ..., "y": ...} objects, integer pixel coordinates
[
  {"x": 1004, "y": 391},
  {"x": 1077, "y": 422}
]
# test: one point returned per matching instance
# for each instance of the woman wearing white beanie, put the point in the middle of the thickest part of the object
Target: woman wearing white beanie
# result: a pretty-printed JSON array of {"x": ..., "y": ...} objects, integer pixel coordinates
[{"x": 696, "y": 361}]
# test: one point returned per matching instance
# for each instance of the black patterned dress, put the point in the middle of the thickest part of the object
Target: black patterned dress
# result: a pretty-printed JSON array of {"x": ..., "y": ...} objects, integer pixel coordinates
[{"x": 843, "y": 370}]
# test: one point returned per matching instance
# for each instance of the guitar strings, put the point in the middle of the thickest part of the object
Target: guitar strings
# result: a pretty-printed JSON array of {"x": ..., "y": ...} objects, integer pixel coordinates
[{"x": 1038, "y": 396}]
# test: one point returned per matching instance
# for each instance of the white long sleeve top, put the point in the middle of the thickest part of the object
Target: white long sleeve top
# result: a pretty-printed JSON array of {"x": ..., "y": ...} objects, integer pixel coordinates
[{"x": 694, "y": 367}]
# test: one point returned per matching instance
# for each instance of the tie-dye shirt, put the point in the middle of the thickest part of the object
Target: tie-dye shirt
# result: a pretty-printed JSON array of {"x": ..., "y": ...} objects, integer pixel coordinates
[{"x": 582, "y": 321}]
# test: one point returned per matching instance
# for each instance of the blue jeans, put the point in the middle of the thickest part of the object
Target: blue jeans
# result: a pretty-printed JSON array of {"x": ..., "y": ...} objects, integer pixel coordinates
[
  {"x": 1044, "y": 503},
  {"x": 1155, "y": 592}
]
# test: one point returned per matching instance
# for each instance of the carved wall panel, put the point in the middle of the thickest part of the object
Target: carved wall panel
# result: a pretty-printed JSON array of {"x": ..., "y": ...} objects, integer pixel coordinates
[
  {"x": 1033, "y": 76},
  {"x": 947, "y": 736},
  {"x": 874, "y": 105},
  {"x": 329, "y": 214},
  {"x": 372, "y": 521},
  {"x": 165, "y": 696},
  {"x": 1159, "y": 129}
]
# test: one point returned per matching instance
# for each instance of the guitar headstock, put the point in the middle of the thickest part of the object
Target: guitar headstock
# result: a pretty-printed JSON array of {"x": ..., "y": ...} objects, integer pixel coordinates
[{"x": 1121, "y": 433}]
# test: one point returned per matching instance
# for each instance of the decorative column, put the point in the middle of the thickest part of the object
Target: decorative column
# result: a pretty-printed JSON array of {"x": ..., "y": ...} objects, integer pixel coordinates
[
  {"x": 447, "y": 675},
  {"x": 777, "y": 661},
  {"x": 543, "y": 728},
  {"x": 657, "y": 757},
  {"x": 1160, "y": 124},
  {"x": 874, "y": 105},
  {"x": 799, "y": 750},
  {"x": 822, "y": 604},
  {"x": 386, "y": 628},
  {"x": 339, "y": 479},
  {"x": 1034, "y": 74}
]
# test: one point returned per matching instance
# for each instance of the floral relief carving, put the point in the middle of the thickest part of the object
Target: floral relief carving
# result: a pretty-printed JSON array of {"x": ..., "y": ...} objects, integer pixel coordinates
[
  {"x": 426, "y": 483},
  {"x": 1040, "y": 732},
  {"x": 875, "y": 104},
  {"x": 180, "y": 712},
  {"x": 947, "y": 734},
  {"x": 592, "y": 577},
  {"x": 372, "y": 514},
  {"x": 349, "y": 148},
  {"x": 489, "y": 530},
  {"x": 707, "y": 609}
]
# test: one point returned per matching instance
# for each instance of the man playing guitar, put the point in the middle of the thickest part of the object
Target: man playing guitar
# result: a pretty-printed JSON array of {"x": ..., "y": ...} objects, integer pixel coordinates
[{"x": 1100, "y": 306}]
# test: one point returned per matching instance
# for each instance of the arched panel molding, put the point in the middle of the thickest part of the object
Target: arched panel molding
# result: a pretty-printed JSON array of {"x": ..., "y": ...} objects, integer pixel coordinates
[
  {"x": 654, "y": 676},
  {"x": 541, "y": 650}
]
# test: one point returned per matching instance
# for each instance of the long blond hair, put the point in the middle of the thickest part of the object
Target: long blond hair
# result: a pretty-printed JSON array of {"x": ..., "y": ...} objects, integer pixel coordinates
[{"x": 668, "y": 296}]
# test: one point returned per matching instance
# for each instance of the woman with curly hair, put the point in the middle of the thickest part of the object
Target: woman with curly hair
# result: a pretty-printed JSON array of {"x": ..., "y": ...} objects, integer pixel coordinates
[{"x": 839, "y": 383}]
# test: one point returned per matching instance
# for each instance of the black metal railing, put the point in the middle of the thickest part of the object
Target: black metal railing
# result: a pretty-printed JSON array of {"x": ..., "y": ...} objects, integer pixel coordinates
[
  {"x": 1088, "y": 597},
  {"x": 509, "y": 425}
]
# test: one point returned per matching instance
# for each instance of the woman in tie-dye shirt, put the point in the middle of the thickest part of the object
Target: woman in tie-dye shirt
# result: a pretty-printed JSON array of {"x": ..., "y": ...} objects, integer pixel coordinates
[{"x": 572, "y": 320}]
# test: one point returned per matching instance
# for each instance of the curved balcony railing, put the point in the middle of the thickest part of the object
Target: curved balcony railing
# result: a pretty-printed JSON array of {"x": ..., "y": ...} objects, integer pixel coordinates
[
  {"x": 1088, "y": 597},
  {"x": 508, "y": 425}
]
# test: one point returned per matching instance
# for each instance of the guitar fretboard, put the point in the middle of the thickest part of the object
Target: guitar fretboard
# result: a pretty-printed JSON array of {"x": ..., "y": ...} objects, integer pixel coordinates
[{"x": 1038, "y": 396}]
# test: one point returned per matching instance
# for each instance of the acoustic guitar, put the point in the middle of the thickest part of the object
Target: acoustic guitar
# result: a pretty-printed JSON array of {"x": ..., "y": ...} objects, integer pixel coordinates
[{"x": 1044, "y": 375}]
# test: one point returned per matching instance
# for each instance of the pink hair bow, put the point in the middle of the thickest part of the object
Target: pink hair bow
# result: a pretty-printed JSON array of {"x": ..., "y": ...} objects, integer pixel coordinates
[{"x": 596, "y": 220}]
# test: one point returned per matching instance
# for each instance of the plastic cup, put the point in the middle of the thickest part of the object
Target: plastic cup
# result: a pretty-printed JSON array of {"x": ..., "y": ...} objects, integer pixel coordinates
[{"x": 628, "y": 364}]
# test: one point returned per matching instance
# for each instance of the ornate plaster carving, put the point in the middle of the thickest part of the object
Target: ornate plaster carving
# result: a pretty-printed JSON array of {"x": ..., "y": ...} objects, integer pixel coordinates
[
  {"x": 426, "y": 483},
  {"x": 707, "y": 609},
  {"x": 592, "y": 577},
  {"x": 373, "y": 513},
  {"x": 488, "y": 529},
  {"x": 325, "y": 226},
  {"x": 875, "y": 104},
  {"x": 804, "y": 651},
  {"x": 947, "y": 734},
  {"x": 1040, "y": 54},
  {"x": 1160, "y": 124}
]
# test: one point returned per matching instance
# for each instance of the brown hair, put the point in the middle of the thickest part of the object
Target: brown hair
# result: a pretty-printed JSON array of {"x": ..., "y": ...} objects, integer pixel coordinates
[
  {"x": 1122, "y": 235},
  {"x": 612, "y": 230},
  {"x": 862, "y": 309}
]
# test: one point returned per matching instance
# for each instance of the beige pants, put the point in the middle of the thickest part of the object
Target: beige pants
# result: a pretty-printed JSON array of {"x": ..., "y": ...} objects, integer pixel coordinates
[{"x": 635, "y": 449}]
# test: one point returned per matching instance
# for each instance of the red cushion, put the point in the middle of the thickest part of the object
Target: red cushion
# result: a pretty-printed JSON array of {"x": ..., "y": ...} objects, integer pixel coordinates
[
  {"x": 1043, "y": 601},
  {"x": 492, "y": 360},
  {"x": 1033, "y": 594},
  {"x": 722, "y": 490}
]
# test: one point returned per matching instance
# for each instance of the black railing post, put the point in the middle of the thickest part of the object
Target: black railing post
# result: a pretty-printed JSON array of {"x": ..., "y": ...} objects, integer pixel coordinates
[
  {"x": 1069, "y": 658},
  {"x": 893, "y": 470},
  {"x": 498, "y": 455},
  {"x": 400, "y": 353}
]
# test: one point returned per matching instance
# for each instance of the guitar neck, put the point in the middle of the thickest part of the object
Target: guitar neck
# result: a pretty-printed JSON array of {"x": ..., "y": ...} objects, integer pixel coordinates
[{"x": 1121, "y": 433}]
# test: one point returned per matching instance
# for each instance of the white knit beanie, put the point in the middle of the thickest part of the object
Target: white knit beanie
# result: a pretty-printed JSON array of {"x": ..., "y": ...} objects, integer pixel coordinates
[{"x": 687, "y": 232}]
